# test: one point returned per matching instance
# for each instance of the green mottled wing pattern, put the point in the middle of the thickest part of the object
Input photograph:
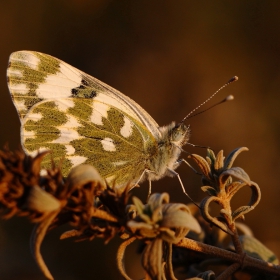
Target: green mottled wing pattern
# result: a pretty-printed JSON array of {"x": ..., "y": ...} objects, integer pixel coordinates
[{"x": 80, "y": 119}]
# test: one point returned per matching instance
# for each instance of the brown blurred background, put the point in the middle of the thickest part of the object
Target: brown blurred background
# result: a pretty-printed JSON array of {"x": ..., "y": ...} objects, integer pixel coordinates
[{"x": 168, "y": 56}]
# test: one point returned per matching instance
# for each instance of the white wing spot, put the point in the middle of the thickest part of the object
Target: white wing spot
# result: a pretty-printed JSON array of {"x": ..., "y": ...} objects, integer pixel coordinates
[
  {"x": 20, "y": 105},
  {"x": 121, "y": 101},
  {"x": 35, "y": 116},
  {"x": 57, "y": 86},
  {"x": 108, "y": 144},
  {"x": 99, "y": 110},
  {"x": 36, "y": 152},
  {"x": 68, "y": 131},
  {"x": 18, "y": 88},
  {"x": 28, "y": 58},
  {"x": 14, "y": 73},
  {"x": 119, "y": 163},
  {"x": 64, "y": 104},
  {"x": 71, "y": 74},
  {"x": 110, "y": 179},
  {"x": 70, "y": 150},
  {"x": 126, "y": 130},
  {"x": 76, "y": 160},
  {"x": 67, "y": 135},
  {"x": 27, "y": 134},
  {"x": 72, "y": 122},
  {"x": 43, "y": 172}
]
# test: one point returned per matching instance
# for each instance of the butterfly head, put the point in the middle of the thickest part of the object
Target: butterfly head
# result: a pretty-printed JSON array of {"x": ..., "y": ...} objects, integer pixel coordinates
[{"x": 180, "y": 134}]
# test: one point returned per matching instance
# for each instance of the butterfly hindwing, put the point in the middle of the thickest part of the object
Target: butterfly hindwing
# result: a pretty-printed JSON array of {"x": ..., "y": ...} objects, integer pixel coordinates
[{"x": 113, "y": 142}]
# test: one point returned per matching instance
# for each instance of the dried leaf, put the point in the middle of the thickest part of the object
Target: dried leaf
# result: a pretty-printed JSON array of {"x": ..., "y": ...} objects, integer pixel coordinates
[
  {"x": 152, "y": 259},
  {"x": 219, "y": 162},
  {"x": 204, "y": 206},
  {"x": 210, "y": 190},
  {"x": 36, "y": 239},
  {"x": 176, "y": 215},
  {"x": 41, "y": 201},
  {"x": 232, "y": 156},
  {"x": 254, "y": 248},
  {"x": 202, "y": 164},
  {"x": 169, "y": 266},
  {"x": 157, "y": 199},
  {"x": 238, "y": 173}
]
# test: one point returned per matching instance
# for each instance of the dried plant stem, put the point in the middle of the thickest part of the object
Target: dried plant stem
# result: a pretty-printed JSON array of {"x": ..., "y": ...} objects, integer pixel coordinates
[
  {"x": 120, "y": 257},
  {"x": 36, "y": 239},
  {"x": 169, "y": 266},
  {"x": 228, "y": 271},
  {"x": 243, "y": 260},
  {"x": 235, "y": 239}
]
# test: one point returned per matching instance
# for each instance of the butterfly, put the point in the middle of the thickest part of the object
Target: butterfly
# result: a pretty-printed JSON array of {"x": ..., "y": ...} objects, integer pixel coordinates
[{"x": 84, "y": 121}]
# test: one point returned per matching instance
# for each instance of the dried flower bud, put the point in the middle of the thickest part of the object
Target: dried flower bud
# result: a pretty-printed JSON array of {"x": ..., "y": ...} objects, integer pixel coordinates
[
  {"x": 41, "y": 201},
  {"x": 83, "y": 175},
  {"x": 158, "y": 218}
]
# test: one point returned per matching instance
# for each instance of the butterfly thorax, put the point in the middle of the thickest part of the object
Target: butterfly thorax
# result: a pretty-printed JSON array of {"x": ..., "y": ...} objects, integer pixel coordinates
[{"x": 173, "y": 137}]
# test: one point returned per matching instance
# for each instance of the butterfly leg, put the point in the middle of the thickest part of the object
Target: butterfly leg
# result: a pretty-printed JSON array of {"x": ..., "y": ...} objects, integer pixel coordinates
[
  {"x": 150, "y": 189},
  {"x": 150, "y": 182},
  {"x": 140, "y": 179},
  {"x": 192, "y": 168},
  {"x": 182, "y": 185}
]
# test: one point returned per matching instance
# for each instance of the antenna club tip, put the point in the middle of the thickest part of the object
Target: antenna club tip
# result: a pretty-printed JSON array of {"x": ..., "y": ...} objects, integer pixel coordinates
[
  {"x": 233, "y": 79},
  {"x": 229, "y": 98}
]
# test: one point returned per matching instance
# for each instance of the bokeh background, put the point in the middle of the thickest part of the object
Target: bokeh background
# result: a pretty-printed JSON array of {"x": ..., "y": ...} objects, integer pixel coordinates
[{"x": 169, "y": 56}]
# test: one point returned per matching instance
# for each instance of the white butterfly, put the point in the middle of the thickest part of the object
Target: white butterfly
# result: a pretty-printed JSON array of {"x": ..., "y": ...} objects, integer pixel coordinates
[{"x": 83, "y": 120}]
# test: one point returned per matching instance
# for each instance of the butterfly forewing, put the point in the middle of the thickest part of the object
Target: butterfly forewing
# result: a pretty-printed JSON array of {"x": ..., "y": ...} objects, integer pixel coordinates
[
  {"x": 35, "y": 76},
  {"x": 79, "y": 118}
]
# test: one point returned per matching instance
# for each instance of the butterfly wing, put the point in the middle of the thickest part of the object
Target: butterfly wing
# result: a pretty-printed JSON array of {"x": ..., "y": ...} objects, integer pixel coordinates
[
  {"x": 35, "y": 76},
  {"x": 79, "y": 118}
]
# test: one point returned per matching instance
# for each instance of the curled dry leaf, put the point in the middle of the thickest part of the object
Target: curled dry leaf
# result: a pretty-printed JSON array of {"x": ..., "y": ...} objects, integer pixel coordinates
[{"x": 218, "y": 183}]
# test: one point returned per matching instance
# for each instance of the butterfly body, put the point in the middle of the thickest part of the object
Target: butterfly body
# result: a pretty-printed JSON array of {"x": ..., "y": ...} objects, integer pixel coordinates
[{"x": 83, "y": 120}]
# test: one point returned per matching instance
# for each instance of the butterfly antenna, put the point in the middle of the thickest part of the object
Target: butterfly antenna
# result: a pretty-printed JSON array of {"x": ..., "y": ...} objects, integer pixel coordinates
[{"x": 228, "y": 98}]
